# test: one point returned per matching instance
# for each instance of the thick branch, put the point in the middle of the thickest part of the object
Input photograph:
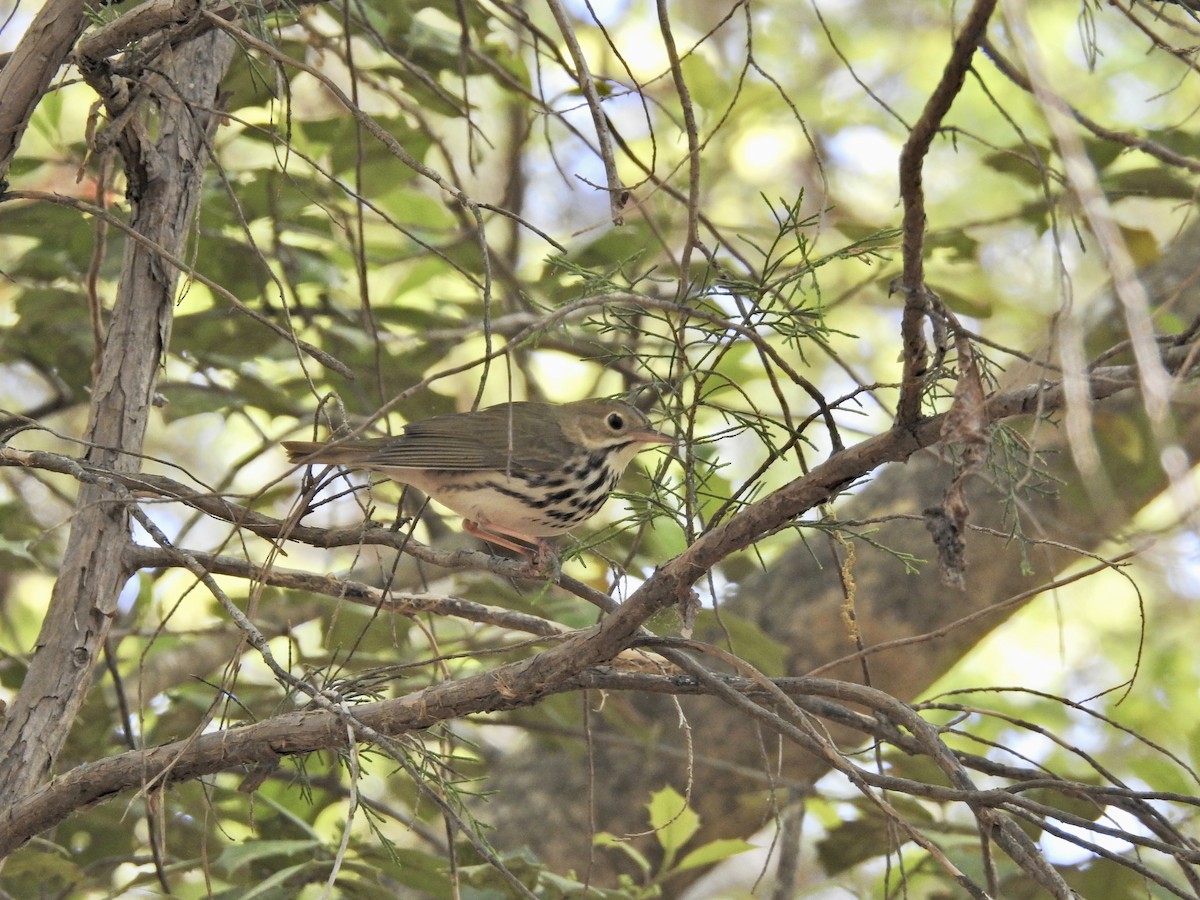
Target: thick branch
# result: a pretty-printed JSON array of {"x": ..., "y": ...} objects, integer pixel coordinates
[
  {"x": 46, "y": 46},
  {"x": 264, "y": 744},
  {"x": 800, "y": 597},
  {"x": 912, "y": 193},
  {"x": 526, "y": 682},
  {"x": 84, "y": 598}
]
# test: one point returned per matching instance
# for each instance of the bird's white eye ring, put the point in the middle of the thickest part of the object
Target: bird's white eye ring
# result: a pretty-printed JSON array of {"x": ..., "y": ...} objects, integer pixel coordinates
[{"x": 615, "y": 422}]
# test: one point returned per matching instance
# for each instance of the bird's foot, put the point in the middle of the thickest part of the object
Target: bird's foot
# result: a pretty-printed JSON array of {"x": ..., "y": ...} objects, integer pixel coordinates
[
  {"x": 544, "y": 560},
  {"x": 542, "y": 556}
]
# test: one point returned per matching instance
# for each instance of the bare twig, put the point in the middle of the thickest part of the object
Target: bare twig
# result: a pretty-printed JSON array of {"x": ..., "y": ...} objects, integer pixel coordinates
[{"x": 587, "y": 85}]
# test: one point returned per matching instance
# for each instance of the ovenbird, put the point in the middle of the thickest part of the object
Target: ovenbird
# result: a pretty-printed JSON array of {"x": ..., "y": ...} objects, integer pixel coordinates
[{"x": 517, "y": 470}]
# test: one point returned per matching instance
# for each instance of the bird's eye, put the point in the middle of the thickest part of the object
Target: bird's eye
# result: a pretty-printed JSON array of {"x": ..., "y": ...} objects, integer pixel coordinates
[{"x": 615, "y": 421}]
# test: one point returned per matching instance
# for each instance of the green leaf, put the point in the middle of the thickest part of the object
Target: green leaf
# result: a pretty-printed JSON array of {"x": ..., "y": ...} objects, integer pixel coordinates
[
  {"x": 412, "y": 868},
  {"x": 47, "y": 120},
  {"x": 866, "y": 837},
  {"x": 614, "y": 246},
  {"x": 607, "y": 839},
  {"x": 746, "y": 638},
  {"x": 963, "y": 304},
  {"x": 1019, "y": 162},
  {"x": 1181, "y": 141},
  {"x": 1142, "y": 245},
  {"x": 18, "y": 549},
  {"x": 1162, "y": 774},
  {"x": 235, "y": 856},
  {"x": 1104, "y": 878},
  {"x": 962, "y": 246},
  {"x": 704, "y": 82},
  {"x": 31, "y": 872},
  {"x": 1151, "y": 182},
  {"x": 380, "y": 169},
  {"x": 185, "y": 400},
  {"x": 1102, "y": 153},
  {"x": 22, "y": 166},
  {"x": 280, "y": 884},
  {"x": 673, "y": 821},
  {"x": 46, "y": 262},
  {"x": 713, "y": 852}
]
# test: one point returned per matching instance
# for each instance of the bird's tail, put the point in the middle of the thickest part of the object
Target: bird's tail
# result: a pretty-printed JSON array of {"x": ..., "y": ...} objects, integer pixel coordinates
[{"x": 312, "y": 452}]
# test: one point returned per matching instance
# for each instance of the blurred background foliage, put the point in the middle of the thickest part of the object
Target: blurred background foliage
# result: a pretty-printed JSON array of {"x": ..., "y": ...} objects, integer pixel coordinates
[{"x": 320, "y": 230}]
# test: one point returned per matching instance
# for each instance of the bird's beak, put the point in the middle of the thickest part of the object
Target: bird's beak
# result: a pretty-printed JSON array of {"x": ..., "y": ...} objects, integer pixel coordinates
[{"x": 649, "y": 436}]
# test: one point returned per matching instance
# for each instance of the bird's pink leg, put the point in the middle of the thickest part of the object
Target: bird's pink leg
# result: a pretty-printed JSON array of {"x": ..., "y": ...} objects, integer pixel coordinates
[{"x": 537, "y": 549}]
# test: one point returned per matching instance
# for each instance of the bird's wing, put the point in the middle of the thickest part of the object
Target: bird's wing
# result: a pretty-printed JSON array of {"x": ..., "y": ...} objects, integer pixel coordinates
[{"x": 488, "y": 439}]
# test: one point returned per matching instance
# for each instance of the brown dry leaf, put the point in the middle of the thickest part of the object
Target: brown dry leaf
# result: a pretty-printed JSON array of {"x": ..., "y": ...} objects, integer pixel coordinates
[{"x": 966, "y": 427}]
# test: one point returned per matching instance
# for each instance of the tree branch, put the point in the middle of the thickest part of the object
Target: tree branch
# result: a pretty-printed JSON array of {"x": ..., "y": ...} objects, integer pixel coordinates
[
  {"x": 402, "y": 603},
  {"x": 84, "y": 599},
  {"x": 912, "y": 193},
  {"x": 263, "y": 744},
  {"x": 33, "y": 64}
]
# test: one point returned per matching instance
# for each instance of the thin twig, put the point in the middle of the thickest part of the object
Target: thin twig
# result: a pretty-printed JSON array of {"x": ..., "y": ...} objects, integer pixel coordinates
[{"x": 587, "y": 85}]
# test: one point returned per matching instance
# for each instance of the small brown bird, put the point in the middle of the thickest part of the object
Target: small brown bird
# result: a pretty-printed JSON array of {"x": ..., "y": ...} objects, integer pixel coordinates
[{"x": 517, "y": 470}]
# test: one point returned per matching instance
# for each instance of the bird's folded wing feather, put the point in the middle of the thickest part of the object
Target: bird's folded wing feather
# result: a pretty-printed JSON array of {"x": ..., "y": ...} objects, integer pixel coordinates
[{"x": 485, "y": 440}]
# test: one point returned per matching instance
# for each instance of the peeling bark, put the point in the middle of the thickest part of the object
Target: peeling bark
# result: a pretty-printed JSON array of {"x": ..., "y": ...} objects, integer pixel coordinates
[
  {"x": 45, "y": 47},
  {"x": 85, "y": 595}
]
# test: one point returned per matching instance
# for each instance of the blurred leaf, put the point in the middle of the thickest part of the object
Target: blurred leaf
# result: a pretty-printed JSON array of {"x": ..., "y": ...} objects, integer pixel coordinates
[
  {"x": 380, "y": 169},
  {"x": 23, "y": 167},
  {"x": 235, "y": 856},
  {"x": 673, "y": 821},
  {"x": 746, "y": 639},
  {"x": 1122, "y": 436},
  {"x": 1180, "y": 140},
  {"x": 1104, "y": 878},
  {"x": 251, "y": 82},
  {"x": 15, "y": 550},
  {"x": 613, "y": 248},
  {"x": 52, "y": 330},
  {"x": 605, "y": 839},
  {"x": 866, "y": 837},
  {"x": 1162, "y": 774},
  {"x": 18, "y": 530},
  {"x": 707, "y": 87},
  {"x": 415, "y": 208},
  {"x": 918, "y": 768},
  {"x": 46, "y": 263},
  {"x": 1102, "y": 153},
  {"x": 30, "y": 872},
  {"x": 61, "y": 231},
  {"x": 421, "y": 871},
  {"x": 431, "y": 97},
  {"x": 262, "y": 193},
  {"x": 962, "y": 247},
  {"x": 978, "y": 308},
  {"x": 47, "y": 118},
  {"x": 185, "y": 400},
  {"x": 713, "y": 852},
  {"x": 1156, "y": 182},
  {"x": 1142, "y": 245},
  {"x": 226, "y": 340},
  {"x": 280, "y": 883},
  {"x": 1020, "y": 161}
]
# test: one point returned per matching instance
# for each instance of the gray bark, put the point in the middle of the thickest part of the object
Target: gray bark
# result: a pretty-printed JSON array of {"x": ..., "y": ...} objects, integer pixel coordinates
[
  {"x": 31, "y": 67},
  {"x": 165, "y": 174}
]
